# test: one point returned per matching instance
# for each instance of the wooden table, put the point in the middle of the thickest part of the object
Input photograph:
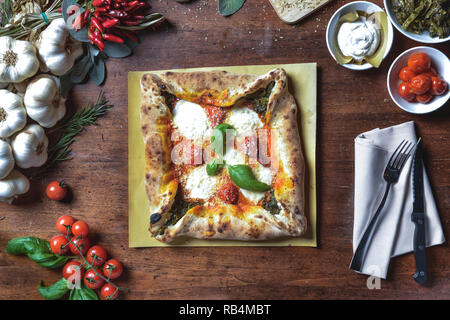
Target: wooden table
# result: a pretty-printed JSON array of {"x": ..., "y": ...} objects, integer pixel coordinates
[{"x": 348, "y": 104}]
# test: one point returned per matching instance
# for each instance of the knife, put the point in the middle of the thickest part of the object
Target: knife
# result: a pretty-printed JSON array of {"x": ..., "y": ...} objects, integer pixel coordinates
[{"x": 418, "y": 217}]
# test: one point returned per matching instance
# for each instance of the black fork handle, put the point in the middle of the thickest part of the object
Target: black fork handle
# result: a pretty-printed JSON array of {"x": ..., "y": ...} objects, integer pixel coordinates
[{"x": 364, "y": 243}]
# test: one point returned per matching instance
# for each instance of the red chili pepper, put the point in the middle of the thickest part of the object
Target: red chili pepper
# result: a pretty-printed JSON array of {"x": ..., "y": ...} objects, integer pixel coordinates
[
  {"x": 86, "y": 14},
  {"x": 96, "y": 24},
  {"x": 59, "y": 10},
  {"x": 91, "y": 37},
  {"x": 78, "y": 23},
  {"x": 98, "y": 3},
  {"x": 99, "y": 43},
  {"x": 130, "y": 35},
  {"x": 138, "y": 17},
  {"x": 132, "y": 3},
  {"x": 117, "y": 14},
  {"x": 113, "y": 38},
  {"x": 110, "y": 23}
]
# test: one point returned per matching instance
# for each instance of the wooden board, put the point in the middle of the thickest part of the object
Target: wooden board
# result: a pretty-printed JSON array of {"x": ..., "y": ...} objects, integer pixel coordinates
[
  {"x": 349, "y": 102},
  {"x": 292, "y": 11}
]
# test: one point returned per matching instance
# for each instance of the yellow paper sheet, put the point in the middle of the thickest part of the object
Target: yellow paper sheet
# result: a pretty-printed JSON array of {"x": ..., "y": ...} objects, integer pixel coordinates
[{"x": 302, "y": 84}]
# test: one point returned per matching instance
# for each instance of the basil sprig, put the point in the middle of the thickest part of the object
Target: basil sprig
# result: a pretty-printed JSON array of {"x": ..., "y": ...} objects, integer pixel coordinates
[
  {"x": 37, "y": 250},
  {"x": 213, "y": 167},
  {"x": 218, "y": 139},
  {"x": 84, "y": 293},
  {"x": 244, "y": 178},
  {"x": 55, "y": 291}
]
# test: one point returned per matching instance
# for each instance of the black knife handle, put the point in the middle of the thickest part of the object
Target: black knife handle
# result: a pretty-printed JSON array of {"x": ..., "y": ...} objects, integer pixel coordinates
[{"x": 420, "y": 247}]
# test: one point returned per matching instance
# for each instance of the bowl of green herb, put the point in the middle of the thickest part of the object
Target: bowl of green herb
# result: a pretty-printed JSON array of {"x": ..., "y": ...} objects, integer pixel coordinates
[{"x": 426, "y": 21}]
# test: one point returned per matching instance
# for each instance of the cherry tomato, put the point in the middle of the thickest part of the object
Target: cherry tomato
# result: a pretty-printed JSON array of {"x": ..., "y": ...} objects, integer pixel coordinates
[
  {"x": 404, "y": 90},
  {"x": 419, "y": 62},
  {"x": 229, "y": 193},
  {"x": 431, "y": 73},
  {"x": 424, "y": 98},
  {"x": 406, "y": 74},
  {"x": 58, "y": 245},
  {"x": 96, "y": 256},
  {"x": 216, "y": 115},
  {"x": 109, "y": 292},
  {"x": 56, "y": 190},
  {"x": 92, "y": 280},
  {"x": 420, "y": 84},
  {"x": 64, "y": 224},
  {"x": 112, "y": 269},
  {"x": 80, "y": 229},
  {"x": 438, "y": 86},
  {"x": 81, "y": 242},
  {"x": 72, "y": 268}
]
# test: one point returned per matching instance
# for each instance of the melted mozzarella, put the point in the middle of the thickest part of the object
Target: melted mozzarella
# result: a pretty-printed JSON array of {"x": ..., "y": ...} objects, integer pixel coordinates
[
  {"x": 234, "y": 157},
  {"x": 199, "y": 185},
  {"x": 245, "y": 121},
  {"x": 263, "y": 174},
  {"x": 191, "y": 120}
]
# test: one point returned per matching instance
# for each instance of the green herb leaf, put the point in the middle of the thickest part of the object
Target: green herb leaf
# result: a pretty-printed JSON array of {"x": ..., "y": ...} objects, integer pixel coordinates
[
  {"x": 81, "y": 35},
  {"x": 37, "y": 250},
  {"x": 83, "y": 293},
  {"x": 229, "y": 7},
  {"x": 55, "y": 291},
  {"x": 218, "y": 139},
  {"x": 116, "y": 50},
  {"x": 81, "y": 69},
  {"x": 97, "y": 73},
  {"x": 214, "y": 166},
  {"x": 244, "y": 178},
  {"x": 65, "y": 84}
]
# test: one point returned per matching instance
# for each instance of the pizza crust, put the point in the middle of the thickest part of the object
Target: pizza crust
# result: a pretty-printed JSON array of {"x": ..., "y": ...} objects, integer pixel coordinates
[{"x": 225, "y": 221}]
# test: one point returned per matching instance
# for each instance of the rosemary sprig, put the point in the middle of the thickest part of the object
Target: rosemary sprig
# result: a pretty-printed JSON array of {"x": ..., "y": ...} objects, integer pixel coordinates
[
  {"x": 6, "y": 12},
  {"x": 60, "y": 151}
]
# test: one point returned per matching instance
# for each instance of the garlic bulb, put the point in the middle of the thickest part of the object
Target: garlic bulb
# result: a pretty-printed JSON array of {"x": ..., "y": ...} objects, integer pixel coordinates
[
  {"x": 18, "y": 60},
  {"x": 43, "y": 101},
  {"x": 30, "y": 146},
  {"x": 57, "y": 50},
  {"x": 6, "y": 159},
  {"x": 13, "y": 116},
  {"x": 13, "y": 185}
]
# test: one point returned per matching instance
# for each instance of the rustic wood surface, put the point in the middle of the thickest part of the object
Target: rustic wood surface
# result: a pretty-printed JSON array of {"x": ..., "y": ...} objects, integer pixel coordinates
[{"x": 348, "y": 103}]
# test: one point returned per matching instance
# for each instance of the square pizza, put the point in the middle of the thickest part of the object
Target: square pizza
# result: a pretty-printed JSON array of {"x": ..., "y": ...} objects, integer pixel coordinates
[{"x": 223, "y": 156}]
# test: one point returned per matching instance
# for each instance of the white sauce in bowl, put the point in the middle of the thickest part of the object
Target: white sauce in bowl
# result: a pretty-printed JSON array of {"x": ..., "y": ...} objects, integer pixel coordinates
[{"x": 358, "y": 39}]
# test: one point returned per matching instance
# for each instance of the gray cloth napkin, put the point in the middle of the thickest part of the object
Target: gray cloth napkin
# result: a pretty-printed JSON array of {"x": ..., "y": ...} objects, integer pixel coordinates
[{"x": 394, "y": 234}]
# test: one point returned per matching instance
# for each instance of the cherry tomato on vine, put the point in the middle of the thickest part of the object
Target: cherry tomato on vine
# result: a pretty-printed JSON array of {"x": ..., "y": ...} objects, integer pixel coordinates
[
  {"x": 424, "y": 98},
  {"x": 71, "y": 268},
  {"x": 419, "y": 62},
  {"x": 420, "y": 84},
  {"x": 64, "y": 224},
  {"x": 438, "y": 86},
  {"x": 83, "y": 243},
  {"x": 58, "y": 245},
  {"x": 406, "y": 74},
  {"x": 56, "y": 190},
  {"x": 96, "y": 256},
  {"x": 92, "y": 280},
  {"x": 112, "y": 269},
  {"x": 80, "y": 229},
  {"x": 404, "y": 90},
  {"x": 109, "y": 292}
]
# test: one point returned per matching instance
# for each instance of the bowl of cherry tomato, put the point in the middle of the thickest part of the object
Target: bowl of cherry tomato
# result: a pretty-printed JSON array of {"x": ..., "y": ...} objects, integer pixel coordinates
[{"x": 418, "y": 80}]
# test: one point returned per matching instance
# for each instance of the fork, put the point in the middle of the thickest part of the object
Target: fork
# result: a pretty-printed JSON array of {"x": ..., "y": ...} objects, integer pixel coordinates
[{"x": 391, "y": 175}]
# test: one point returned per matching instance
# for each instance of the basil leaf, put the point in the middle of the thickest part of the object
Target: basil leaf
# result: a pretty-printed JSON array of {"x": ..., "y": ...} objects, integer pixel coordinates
[
  {"x": 37, "y": 250},
  {"x": 218, "y": 139},
  {"x": 55, "y": 291},
  {"x": 213, "y": 167},
  {"x": 84, "y": 293},
  {"x": 228, "y": 7},
  {"x": 116, "y": 50},
  {"x": 244, "y": 178}
]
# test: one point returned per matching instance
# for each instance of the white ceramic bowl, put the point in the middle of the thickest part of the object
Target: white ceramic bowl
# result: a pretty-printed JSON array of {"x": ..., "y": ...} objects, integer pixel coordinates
[
  {"x": 423, "y": 37},
  {"x": 439, "y": 61},
  {"x": 365, "y": 6}
]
